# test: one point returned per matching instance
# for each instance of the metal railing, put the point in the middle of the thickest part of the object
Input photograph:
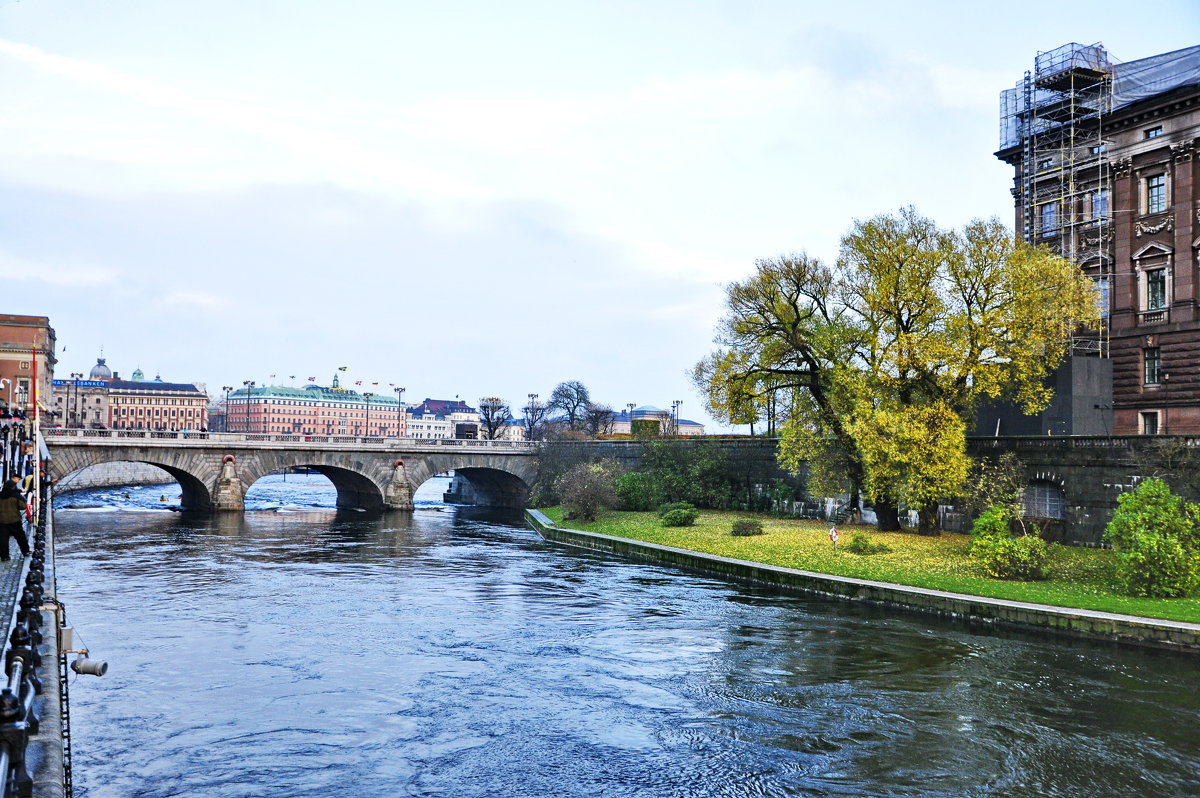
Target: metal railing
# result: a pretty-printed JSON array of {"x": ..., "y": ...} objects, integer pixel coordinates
[{"x": 208, "y": 438}]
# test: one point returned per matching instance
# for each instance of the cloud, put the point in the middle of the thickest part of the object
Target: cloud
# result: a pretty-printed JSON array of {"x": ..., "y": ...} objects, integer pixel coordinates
[
  {"x": 195, "y": 299},
  {"x": 60, "y": 275},
  {"x": 326, "y": 149}
]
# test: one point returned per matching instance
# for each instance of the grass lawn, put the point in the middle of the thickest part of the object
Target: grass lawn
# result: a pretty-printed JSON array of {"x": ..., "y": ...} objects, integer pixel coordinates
[{"x": 1078, "y": 576}]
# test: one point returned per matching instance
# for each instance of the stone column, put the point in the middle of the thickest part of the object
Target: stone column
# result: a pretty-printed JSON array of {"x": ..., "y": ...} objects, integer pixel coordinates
[
  {"x": 228, "y": 493},
  {"x": 398, "y": 495}
]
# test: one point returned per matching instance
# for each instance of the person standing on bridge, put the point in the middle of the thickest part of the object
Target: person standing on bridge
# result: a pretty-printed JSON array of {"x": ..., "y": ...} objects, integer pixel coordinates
[{"x": 12, "y": 518}]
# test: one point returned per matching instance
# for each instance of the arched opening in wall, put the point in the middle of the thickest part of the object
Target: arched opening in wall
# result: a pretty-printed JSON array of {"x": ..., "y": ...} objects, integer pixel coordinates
[
  {"x": 314, "y": 486},
  {"x": 1046, "y": 508},
  {"x": 292, "y": 489},
  {"x": 489, "y": 487},
  {"x": 124, "y": 484}
]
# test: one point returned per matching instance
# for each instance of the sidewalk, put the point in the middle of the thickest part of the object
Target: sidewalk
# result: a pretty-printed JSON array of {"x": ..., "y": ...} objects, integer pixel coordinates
[{"x": 1127, "y": 629}]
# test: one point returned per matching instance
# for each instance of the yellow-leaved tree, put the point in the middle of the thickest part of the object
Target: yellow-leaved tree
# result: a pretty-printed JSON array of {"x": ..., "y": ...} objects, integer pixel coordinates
[{"x": 884, "y": 356}]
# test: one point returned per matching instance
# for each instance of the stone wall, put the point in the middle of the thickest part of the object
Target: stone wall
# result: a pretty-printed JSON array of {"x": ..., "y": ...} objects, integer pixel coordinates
[{"x": 107, "y": 475}]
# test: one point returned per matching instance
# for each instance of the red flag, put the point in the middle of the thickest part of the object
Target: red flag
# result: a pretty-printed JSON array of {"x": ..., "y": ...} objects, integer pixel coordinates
[
  {"x": 312, "y": 379},
  {"x": 358, "y": 382}
]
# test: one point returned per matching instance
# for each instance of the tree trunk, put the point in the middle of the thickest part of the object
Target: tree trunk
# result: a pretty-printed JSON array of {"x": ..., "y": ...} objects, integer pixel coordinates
[
  {"x": 887, "y": 517},
  {"x": 927, "y": 524}
]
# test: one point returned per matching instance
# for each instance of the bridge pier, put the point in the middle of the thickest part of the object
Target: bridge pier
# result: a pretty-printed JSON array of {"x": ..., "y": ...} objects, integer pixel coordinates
[
  {"x": 398, "y": 495},
  {"x": 228, "y": 494}
]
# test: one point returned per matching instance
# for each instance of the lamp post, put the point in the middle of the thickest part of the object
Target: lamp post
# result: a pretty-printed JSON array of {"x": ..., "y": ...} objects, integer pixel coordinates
[
  {"x": 75, "y": 378},
  {"x": 631, "y": 405},
  {"x": 400, "y": 408},
  {"x": 675, "y": 416},
  {"x": 531, "y": 423},
  {"x": 225, "y": 424},
  {"x": 249, "y": 388},
  {"x": 368, "y": 396}
]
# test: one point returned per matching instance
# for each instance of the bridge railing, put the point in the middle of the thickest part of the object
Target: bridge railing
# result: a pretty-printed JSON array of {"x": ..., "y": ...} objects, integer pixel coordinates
[{"x": 203, "y": 438}]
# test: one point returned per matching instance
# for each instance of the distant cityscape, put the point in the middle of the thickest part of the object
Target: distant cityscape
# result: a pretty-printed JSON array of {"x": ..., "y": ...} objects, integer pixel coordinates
[{"x": 102, "y": 399}]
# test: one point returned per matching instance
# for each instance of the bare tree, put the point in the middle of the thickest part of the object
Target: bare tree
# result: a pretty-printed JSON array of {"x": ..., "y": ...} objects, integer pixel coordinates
[
  {"x": 572, "y": 399},
  {"x": 494, "y": 415},
  {"x": 535, "y": 418},
  {"x": 598, "y": 420}
]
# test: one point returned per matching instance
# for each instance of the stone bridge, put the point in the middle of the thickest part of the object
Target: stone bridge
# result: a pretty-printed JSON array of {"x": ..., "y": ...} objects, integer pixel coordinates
[{"x": 214, "y": 470}]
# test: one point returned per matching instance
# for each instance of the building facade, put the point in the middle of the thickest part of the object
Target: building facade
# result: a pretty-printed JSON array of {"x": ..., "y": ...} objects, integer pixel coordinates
[
  {"x": 105, "y": 401},
  {"x": 26, "y": 353},
  {"x": 444, "y": 418},
  {"x": 1105, "y": 173},
  {"x": 315, "y": 410}
]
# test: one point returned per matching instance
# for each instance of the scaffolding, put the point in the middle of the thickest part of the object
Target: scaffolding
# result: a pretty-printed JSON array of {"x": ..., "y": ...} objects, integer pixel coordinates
[{"x": 1056, "y": 116}]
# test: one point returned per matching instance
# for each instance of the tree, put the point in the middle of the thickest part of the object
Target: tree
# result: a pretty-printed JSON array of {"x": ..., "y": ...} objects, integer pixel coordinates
[
  {"x": 598, "y": 420},
  {"x": 587, "y": 488},
  {"x": 494, "y": 415},
  {"x": 535, "y": 418},
  {"x": 571, "y": 398},
  {"x": 881, "y": 359}
]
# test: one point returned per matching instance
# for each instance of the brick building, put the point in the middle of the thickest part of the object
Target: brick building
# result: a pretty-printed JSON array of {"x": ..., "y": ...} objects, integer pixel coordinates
[
  {"x": 1105, "y": 173},
  {"x": 26, "y": 348}
]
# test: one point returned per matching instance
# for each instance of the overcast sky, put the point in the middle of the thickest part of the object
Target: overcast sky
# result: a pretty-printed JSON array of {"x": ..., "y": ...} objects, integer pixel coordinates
[{"x": 481, "y": 198}]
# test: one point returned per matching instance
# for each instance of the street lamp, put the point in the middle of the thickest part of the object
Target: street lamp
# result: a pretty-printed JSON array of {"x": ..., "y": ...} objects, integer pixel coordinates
[
  {"x": 74, "y": 381},
  {"x": 368, "y": 396},
  {"x": 249, "y": 388},
  {"x": 530, "y": 421},
  {"x": 631, "y": 405},
  {"x": 399, "y": 409},
  {"x": 675, "y": 416},
  {"x": 226, "y": 389}
]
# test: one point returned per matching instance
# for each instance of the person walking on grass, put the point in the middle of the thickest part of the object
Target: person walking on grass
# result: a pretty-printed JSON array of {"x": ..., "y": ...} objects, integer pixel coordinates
[{"x": 12, "y": 519}]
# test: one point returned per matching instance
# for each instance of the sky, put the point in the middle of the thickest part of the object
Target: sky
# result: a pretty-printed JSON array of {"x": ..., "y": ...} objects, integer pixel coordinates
[{"x": 478, "y": 198}]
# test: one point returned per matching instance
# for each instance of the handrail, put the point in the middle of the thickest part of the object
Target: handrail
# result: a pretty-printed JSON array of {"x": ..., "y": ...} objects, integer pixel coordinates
[{"x": 118, "y": 436}]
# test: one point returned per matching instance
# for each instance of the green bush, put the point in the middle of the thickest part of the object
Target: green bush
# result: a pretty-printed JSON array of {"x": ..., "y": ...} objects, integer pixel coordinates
[
  {"x": 666, "y": 508},
  {"x": 861, "y": 543},
  {"x": 744, "y": 527},
  {"x": 1157, "y": 538},
  {"x": 1002, "y": 556},
  {"x": 637, "y": 491},
  {"x": 680, "y": 517}
]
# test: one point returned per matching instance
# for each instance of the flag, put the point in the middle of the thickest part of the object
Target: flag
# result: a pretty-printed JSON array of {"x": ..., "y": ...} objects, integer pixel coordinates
[
  {"x": 374, "y": 383},
  {"x": 291, "y": 376},
  {"x": 358, "y": 382},
  {"x": 341, "y": 368},
  {"x": 312, "y": 379}
]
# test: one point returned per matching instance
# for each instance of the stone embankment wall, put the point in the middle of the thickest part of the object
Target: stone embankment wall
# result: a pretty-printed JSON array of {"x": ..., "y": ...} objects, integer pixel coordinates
[
  {"x": 106, "y": 475},
  {"x": 1127, "y": 629}
]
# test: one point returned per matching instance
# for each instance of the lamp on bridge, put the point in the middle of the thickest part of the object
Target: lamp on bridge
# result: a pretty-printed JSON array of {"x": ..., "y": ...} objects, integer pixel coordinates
[
  {"x": 249, "y": 389},
  {"x": 399, "y": 409},
  {"x": 225, "y": 421},
  {"x": 367, "y": 395},
  {"x": 75, "y": 377}
]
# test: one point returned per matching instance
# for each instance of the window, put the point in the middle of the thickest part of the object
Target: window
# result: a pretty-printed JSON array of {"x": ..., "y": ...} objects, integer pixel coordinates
[
  {"x": 1151, "y": 365},
  {"x": 1100, "y": 203},
  {"x": 1049, "y": 218},
  {"x": 1102, "y": 296},
  {"x": 1046, "y": 163},
  {"x": 1156, "y": 194},
  {"x": 1150, "y": 422},
  {"x": 1154, "y": 132},
  {"x": 1156, "y": 289},
  {"x": 1096, "y": 149},
  {"x": 1044, "y": 500}
]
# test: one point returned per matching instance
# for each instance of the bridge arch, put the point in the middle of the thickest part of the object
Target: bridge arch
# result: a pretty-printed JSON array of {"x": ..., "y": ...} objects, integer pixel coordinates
[
  {"x": 355, "y": 489},
  {"x": 193, "y": 488},
  {"x": 503, "y": 483}
]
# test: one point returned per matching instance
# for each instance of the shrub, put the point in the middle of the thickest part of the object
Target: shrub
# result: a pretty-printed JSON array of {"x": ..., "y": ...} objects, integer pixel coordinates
[
  {"x": 666, "y": 508},
  {"x": 636, "y": 491},
  {"x": 1157, "y": 538},
  {"x": 744, "y": 527},
  {"x": 683, "y": 516},
  {"x": 1002, "y": 556},
  {"x": 586, "y": 488},
  {"x": 861, "y": 543}
]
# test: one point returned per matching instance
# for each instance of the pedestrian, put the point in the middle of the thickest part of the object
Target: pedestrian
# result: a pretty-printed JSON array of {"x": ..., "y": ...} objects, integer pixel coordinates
[{"x": 12, "y": 518}]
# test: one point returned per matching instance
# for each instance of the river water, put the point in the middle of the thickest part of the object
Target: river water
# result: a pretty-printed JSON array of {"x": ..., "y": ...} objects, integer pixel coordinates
[{"x": 297, "y": 651}]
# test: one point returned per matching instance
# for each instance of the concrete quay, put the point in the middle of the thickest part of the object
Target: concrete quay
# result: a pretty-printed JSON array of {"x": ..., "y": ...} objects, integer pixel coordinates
[{"x": 1105, "y": 626}]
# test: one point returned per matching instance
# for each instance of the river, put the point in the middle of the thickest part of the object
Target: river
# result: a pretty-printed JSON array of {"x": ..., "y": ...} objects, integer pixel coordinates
[{"x": 299, "y": 651}]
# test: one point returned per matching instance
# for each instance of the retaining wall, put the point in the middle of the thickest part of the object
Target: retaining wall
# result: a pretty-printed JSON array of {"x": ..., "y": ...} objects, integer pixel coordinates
[{"x": 1127, "y": 629}]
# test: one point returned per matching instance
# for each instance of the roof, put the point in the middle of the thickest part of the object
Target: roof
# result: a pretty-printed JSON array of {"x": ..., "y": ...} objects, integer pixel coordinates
[
  {"x": 312, "y": 393},
  {"x": 443, "y": 407},
  {"x": 151, "y": 387}
]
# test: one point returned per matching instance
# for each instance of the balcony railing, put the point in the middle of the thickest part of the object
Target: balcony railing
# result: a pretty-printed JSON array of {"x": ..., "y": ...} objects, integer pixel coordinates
[{"x": 1156, "y": 316}]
